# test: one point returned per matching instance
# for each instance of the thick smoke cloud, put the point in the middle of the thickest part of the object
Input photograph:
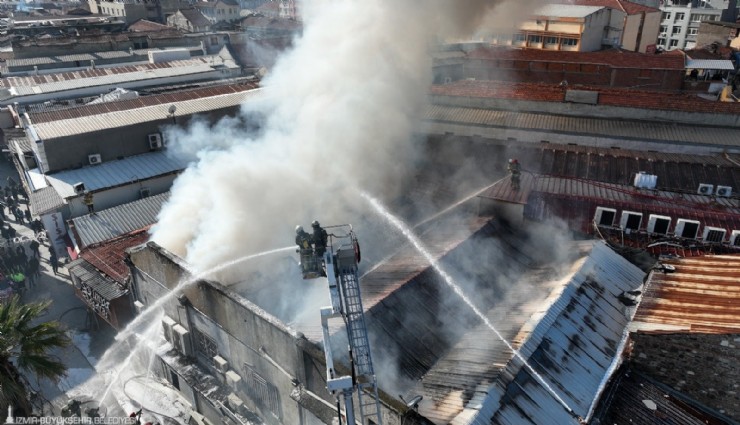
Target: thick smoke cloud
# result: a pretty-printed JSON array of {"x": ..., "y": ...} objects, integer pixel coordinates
[{"x": 336, "y": 116}]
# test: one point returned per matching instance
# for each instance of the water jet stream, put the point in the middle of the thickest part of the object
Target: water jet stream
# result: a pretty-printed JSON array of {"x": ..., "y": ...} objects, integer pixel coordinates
[
  {"x": 152, "y": 327},
  {"x": 131, "y": 327},
  {"x": 396, "y": 222}
]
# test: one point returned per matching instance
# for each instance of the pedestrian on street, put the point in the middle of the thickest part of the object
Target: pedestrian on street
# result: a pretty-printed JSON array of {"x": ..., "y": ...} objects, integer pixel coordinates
[
  {"x": 19, "y": 215},
  {"x": 33, "y": 272},
  {"x": 27, "y": 215},
  {"x": 34, "y": 245},
  {"x": 53, "y": 260},
  {"x": 4, "y": 233}
]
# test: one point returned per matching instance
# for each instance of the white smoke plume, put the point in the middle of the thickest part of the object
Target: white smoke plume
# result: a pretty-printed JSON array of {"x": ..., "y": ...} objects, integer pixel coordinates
[{"x": 337, "y": 114}]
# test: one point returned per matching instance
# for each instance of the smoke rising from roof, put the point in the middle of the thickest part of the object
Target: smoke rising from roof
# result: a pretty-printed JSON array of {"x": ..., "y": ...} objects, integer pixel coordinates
[{"x": 337, "y": 115}]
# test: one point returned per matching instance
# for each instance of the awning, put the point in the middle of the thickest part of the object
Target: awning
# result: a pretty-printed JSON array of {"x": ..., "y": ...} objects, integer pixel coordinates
[{"x": 719, "y": 64}]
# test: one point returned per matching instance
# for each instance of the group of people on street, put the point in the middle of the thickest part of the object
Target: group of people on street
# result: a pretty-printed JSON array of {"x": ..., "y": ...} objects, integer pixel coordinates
[{"x": 20, "y": 260}]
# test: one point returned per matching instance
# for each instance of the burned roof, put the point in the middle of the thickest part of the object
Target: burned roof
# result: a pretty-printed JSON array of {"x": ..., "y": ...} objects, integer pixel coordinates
[
  {"x": 702, "y": 296},
  {"x": 635, "y": 398}
]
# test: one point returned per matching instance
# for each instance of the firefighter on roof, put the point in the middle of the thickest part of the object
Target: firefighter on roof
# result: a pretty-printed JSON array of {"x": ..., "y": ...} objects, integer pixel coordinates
[{"x": 516, "y": 172}]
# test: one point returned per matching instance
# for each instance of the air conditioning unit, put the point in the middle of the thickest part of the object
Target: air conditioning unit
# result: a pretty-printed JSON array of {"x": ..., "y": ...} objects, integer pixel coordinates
[
  {"x": 221, "y": 364},
  {"x": 144, "y": 192},
  {"x": 181, "y": 340},
  {"x": 232, "y": 379},
  {"x": 713, "y": 235},
  {"x": 79, "y": 187},
  {"x": 94, "y": 159},
  {"x": 167, "y": 324},
  {"x": 658, "y": 224},
  {"x": 705, "y": 189},
  {"x": 630, "y": 220},
  {"x": 605, "y": 216},
  {"x": 735, "y": 238},
  {"x": 687, "y": 229},
  {"x": 155, "y": 141},
  {"x": 724, "y": 191}
]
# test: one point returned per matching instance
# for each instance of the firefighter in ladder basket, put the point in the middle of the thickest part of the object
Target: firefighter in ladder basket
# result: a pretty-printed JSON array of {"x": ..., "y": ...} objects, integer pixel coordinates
[{"x": 310, "y": 265}]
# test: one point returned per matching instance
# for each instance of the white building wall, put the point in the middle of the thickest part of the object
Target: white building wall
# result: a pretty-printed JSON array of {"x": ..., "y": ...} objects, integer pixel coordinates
[
  {"x": 120, "y": 195},
  {"x": 593, "y": 30}
]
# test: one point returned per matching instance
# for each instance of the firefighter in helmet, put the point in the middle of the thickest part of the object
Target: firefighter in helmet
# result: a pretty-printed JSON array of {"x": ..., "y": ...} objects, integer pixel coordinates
[
  {"x": 302, "y": 238},
  {"x": 320, "y": 238},
  {"x": 516, "y": 172}
]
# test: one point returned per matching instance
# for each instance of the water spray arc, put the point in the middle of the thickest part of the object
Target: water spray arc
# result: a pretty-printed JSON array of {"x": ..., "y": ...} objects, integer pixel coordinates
[
  {"x": 146, "y": 327},
  {"x": 398, "y": 224}
]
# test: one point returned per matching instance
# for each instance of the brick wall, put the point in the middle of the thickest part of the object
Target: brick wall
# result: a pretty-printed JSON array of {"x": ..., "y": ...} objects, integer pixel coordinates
[{"x": 702, "y": 366}]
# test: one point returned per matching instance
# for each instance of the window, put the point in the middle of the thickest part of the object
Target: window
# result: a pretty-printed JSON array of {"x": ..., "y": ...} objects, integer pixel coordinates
[
  {"x": 570, "y": 42},
  {"x": 666, "y": 15},
  {"x": 680, "y": 16},
  {"x": 519, "y": 38},
  {"x": 205, "y": 345},
  {"x": 551, "y": 40},
  {"x": 676, "y": 30},
  {"x": 693, "y": 31},
  {"x": 661, "y": 42},
  {"x": 535, "y": 39},
  {"x": 674, "y": 43},
  {"x": 663, "y": 29},
  {"x": 262, "y": 391}
]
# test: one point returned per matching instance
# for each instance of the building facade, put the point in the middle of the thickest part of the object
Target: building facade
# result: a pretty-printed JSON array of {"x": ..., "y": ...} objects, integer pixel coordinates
[
  {"x": 561, "y": 27},
  {"x": 679, "y": 26}
]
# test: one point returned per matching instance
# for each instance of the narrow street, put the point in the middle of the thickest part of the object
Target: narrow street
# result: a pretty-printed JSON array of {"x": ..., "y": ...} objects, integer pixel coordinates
[{"x": 90, "y": 337}]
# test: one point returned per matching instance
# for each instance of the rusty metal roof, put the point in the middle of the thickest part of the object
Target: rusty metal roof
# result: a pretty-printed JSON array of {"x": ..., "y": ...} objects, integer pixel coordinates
[
  {"x": 702, "y": 296},
  {"x": 107, "y": 257}
]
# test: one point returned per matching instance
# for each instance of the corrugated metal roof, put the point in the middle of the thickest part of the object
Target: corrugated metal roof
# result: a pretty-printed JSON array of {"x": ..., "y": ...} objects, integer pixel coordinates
[
  {"x": 83, "y": 80},
  {"x": 115, "y": 173},
  {"x": 119, "y": 118},
  {"x": 675, "y": 171},
  {"x": 442, "y": 118},
  {"x": 702, "y": 296},
  {"x": 91, "y": 109},
  {"x": 108, "y": 256},
  {"x": 572, "y": 345},
  {"x": 709, "y": 64},
  {"x": 120, "y": 220},
  {"x": 567, "y": 10},
  {"x": 89, "y": 275},
  {"x": 45, "y": 200}
]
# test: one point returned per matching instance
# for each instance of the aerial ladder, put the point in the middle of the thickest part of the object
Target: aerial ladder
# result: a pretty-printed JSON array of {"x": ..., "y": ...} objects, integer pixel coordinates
[{"x": 339, "y": 265}]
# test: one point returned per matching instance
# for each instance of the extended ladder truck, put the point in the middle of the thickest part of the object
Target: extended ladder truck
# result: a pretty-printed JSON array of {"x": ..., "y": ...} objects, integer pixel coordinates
[{"x": 339, "y": 265}]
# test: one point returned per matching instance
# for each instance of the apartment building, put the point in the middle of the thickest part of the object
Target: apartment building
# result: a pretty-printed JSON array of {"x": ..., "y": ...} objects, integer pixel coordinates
[{"x": 679, "y": 26}]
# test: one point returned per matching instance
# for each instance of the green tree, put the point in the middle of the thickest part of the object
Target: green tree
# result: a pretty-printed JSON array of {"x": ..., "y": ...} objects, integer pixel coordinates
[{"x": 24, "y": 347}]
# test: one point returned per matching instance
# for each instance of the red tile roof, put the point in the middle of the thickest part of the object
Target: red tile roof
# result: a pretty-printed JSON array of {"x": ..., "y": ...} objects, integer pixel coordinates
[
  {"x": 607, "y": 96},
  {"x": 625, "y": 6},
  {"x": 108, "y": 256},
  {"x": 614, "y": 57}
]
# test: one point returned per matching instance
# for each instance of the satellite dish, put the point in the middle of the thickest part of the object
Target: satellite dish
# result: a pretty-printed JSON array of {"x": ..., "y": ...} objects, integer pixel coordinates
[{"x": 172, "y": 109}]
